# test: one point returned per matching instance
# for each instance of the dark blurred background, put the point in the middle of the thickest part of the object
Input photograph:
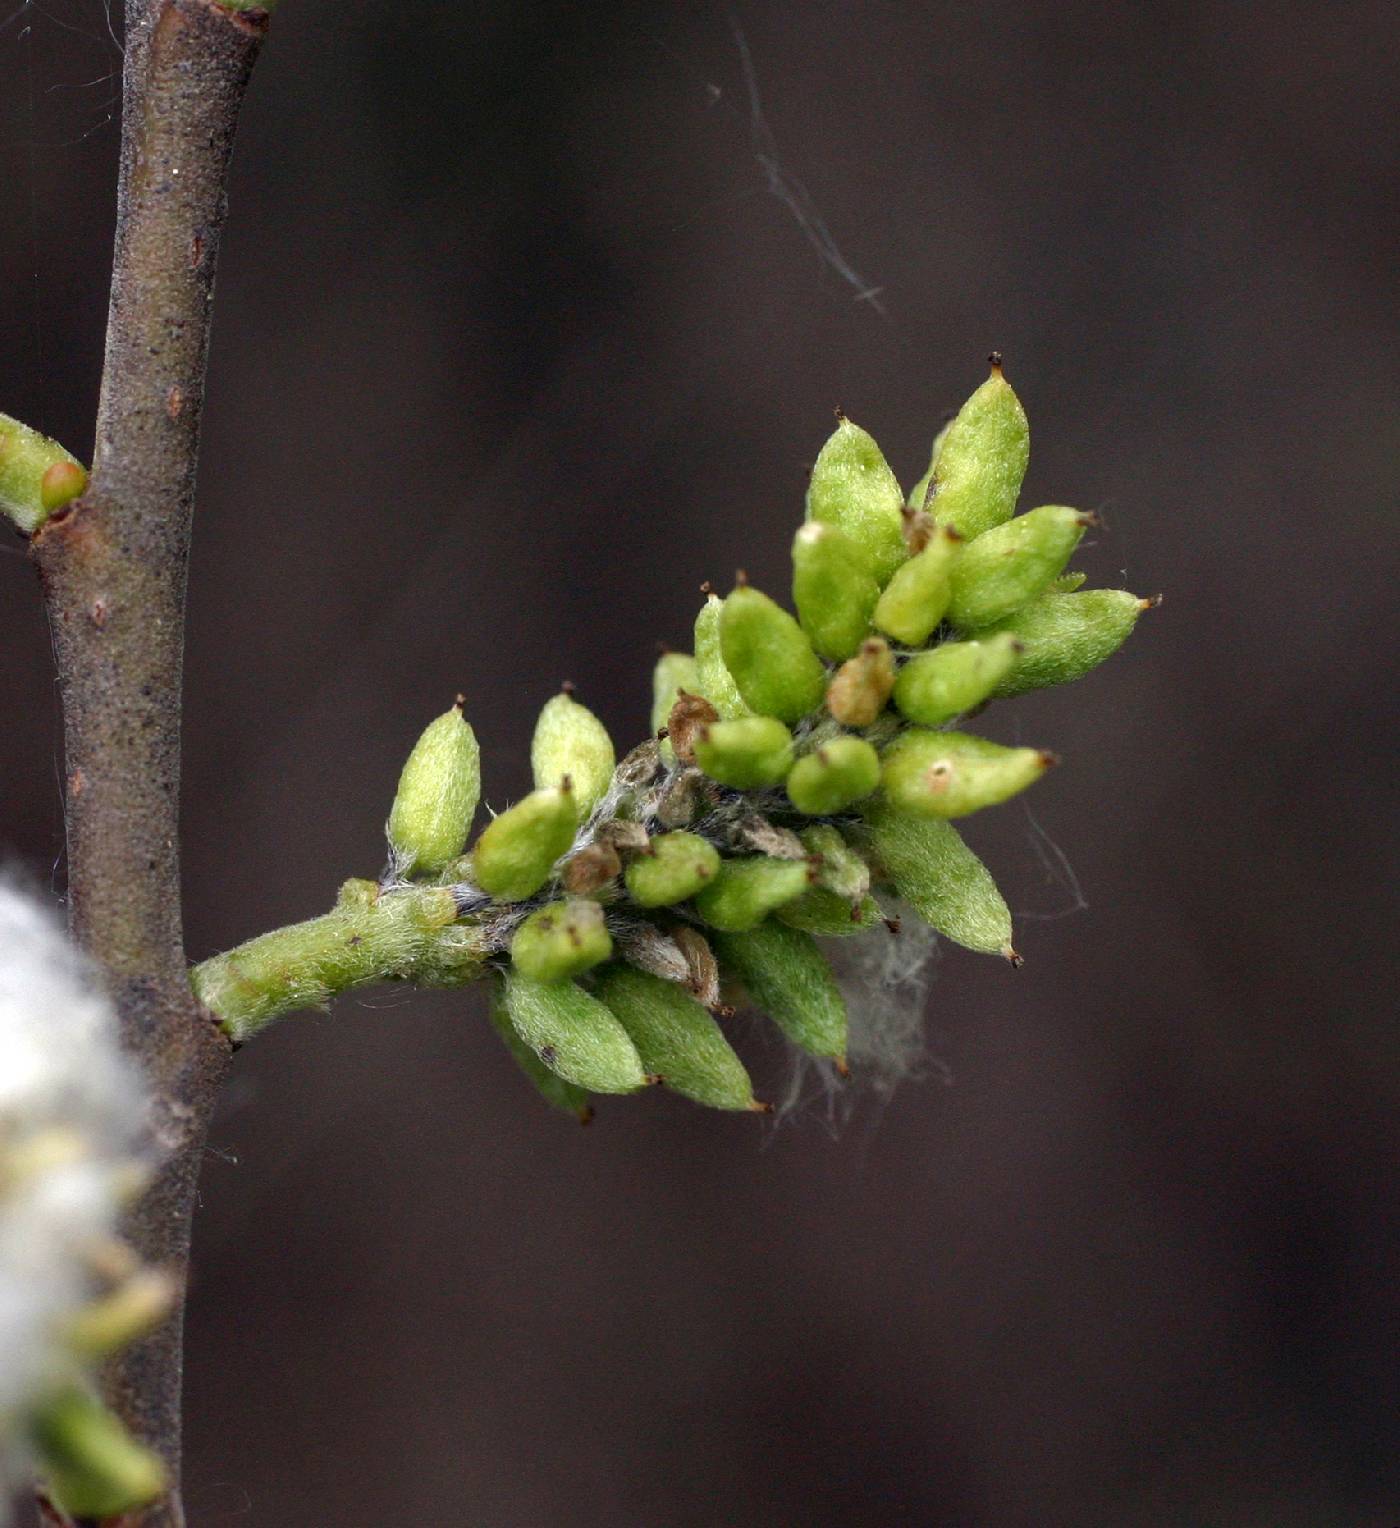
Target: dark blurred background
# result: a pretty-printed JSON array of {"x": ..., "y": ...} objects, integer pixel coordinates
[{"x": 516, "y": 344}]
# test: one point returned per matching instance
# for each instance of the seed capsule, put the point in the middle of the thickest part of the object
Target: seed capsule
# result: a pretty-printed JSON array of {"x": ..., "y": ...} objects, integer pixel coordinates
[
  {"x": 561, "y": 940},
  {"x": 673, "y": 673},
  {"x": 832, "y": 588},
  {"x": 853, "y": 489},
  {"x": 91, "y": 1465},
  {"x": 437, "y": 795},
  {"x": 674, "y": 867},
  {"x": 861, "y": 686},
  {"x": 690, "y": 715},
  {"x": 827, "y": 916},
  {"x": 1066, "y": 635},
  {"x": 1008, "y": 566},
  {"x": 936, "y": 686},
  {"x": 787, "y": 976},
  {"x": 831, "y": 777},
  {"x": 716, "y": 682},
  {"x": 570, "y": 740},
  {"x": 982, "y": 459},
  {"x": 920, "y": 491},
  {"x": 949, "y": 774},
  {"x": 746, "y": 890},
  {"x": 516, "y": 852},
  {"x": 748, "y": 754},
  {"x": 839, "y": 867},
  {"x": 916, "y": 598},
  {"x": 552, "y": 1088},
  {"x": 573, "y": 1034},
  {"x": 677, "y": 1039},
  {"x": 37, "y": 475},
  {"x": 769, "y": 656}
]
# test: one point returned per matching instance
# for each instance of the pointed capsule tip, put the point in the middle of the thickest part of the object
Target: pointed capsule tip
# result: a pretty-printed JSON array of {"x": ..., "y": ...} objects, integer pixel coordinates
[
  {"x": 1151, "y": 602},
  {"x": 1047, "y": 759},
  {"x": 757, "y": 1106},
  {"x": 653, "y": 1079},
  {"x": 839, "y": 1062},
  {"x": 840, "y": 414},
  {"x": 459, "y": 702},
  {"x": 585, "y": 1114},
  {"x": 741, "y": 579},
  {"x": 1016, "y": 961},
  {"x": 567, "y": 687},
  {"x": 707, "y": 588},
  {"x": 994, "y": 361}
]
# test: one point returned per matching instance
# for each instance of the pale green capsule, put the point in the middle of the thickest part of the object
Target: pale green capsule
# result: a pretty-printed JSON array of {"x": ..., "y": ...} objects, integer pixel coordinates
[
  {"x": 861, "y": 686},
  {"x": 840, "y": 867},
  {"x": 982, "y": 460},
  {"x": 853, "y": 489},
  {"x": 570, "y": 740},
  {"x": 787, "y": 976},
  {"x": 516, "y": 852},
  {"x": 1067, "y": 583},
  {"x": 573, "y": 1034},
  {"x": 716, "y": 682},
  {"x": 437, "y": 795},
  {"x": 833, "y": 589},
  {"x": 561, "y": 940},
  {"x": 919, "y": 492},
  {"x": 831, "y": 777},
  {"x": 1007, "y": 567},
  {"x": 927, "y": 863},
  {"x": 37, "y": 476},
  {"x": 746, "y": 890},
  {"x": 673, "y": 673},
  {"x": 769, "y": 656},
  {"x": 674, "y": 867},
  {"x": 1063, "y": 636},
  {"x": 676, "y": 1039},
  {"x": 916, "y": 598},
  {"x": 748, "y": 754},
  {"x": 551, "y": 1087},
  {"x": 824, "y": 914},
  {"x": 91, "y": 1466},
  {"x": 949, "y": 774},
  {"x": 934, "y": 687}
]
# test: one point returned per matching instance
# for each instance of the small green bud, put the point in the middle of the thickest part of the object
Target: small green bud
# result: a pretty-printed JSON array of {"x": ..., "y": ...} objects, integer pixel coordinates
[
  {"x": 840, "y": 868},
  {"x": 746, "y": 890},
  {"x": 92, "y": 1466},
  {"x": 919, "y": 492},
  {"x": 60, "y": 484},
  {"x": 552, "y": 1087},
  {"x": 676, "y": 1039},
  {"x": 853, "y": 489},
  {"x": 769, "y": 656},
  {"x": 861, "y": 686},
  {"x": 561, "y": 940},
  {"x": 748, "y": 754},
  {"x": 570, "y": 740},
  {"x": 952, "y": 678},
  {"x": 674, "y": 867},
  {"x": 437, "y": 795},
  {"x": 824, "y": 914},
  {"x": 982, "y": 460},
  {"x": 831, "y": 777},
  {"x": 916, "y": 598},
  {"x": 573, "y": 1034},
  {"x": 1007, "y": 567},
  {"x": 673, "y": 673},
  {"x": 787, "y": 976},
  {"x": 37, "y": 476},
  {"x": 832, "y": 589},
  {"x": 516, "y": 852},
  {"x": 949, "y": 774},
  {"x": 1066, "y": 635},
  {"x": 716, "y": 682}
]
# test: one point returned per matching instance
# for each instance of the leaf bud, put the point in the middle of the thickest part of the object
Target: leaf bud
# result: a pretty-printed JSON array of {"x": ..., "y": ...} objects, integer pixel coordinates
[
  {"x": 516, "y": 852},
  {"x": 570, "y": 740},
  {"x": 952, "y": 678},
  {"x": 982, "y": 460},
  {"x": 573, "y": 1034},
  {"x": 833, "y": 589},
  {"x": 861, "y": 686},
  {"x": 689, "y": 716},
  {"x": 437, "y": 795},
  {"x": 1007, "y": 567},
  {"x": 853, "y": 489},
  {"x": 840, "y": 867},
  {"x": 561, "y": 940},
  {"x": 746, "y": 890},
  {"x": 787, "y": 976},
  {"x": 37, "y": 476},
  {"x": 916, "y": 598},
  {"x": 1064, "y": 636},
  {"x": 673, "y": 673},
  {"x": 674, "y": 867},
  {"x": 747, "y": 754},
  {"x": 716, "y": 682},
  {"x": 831, "y": 777},
  {"x": 949, "y": 774},
  {"x": 551, "y": 1087},
  {"x": 769, "y": 656}
]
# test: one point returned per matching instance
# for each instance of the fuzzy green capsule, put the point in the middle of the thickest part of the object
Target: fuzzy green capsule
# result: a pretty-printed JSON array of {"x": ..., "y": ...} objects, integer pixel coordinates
[
  {"x": 716, "y": 682},
  {"x": 833, "y": 589},
  {"x": 437, "y": 795},
  {"x": 916, "y": 598},
  {"x": 748, "y": 753},
  {"x": 570, "y": 740},
  {"x": 1064, "y": 636},
  {"x": 573, "y": 1034},
  {"x": 788, "y": 978},
  {"x": 853, "y": 489},
  {"x": 861, "y": 686},
  {"x": 982, "y": 460},
  {"x": 676, "y": 1039},
  {"x": 559, "y": 1094},
  {"x": 769, "y": 656},
  {"x": 91, "y": 1465},
  {"x": 831, "y": 777},
  {"x": 840, "y": 867},
  {"x": 920, "y": 491},
  {"x": 37, "y": 476},
  {"x": 674, "y": 867},
  {"x": 822, "y": 913},
  {"x": 934, "y": 687},
  {"x": 561, "y": 940},
  {"x": 1008, "y": 566},
  {"x": 746, "y": 890},
  {"x": 516, "y": 852},
  {"x": 673, "y": 673},
  {"x": 949, "y": 774}
]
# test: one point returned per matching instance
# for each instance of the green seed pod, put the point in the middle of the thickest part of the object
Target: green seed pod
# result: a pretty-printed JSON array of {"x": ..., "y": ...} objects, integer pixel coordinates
[
  {"x": 573, "y": 1034},
  {"x": 677, "y": 1039},
  {"x": 824, "y": 914},
  {"x": 673, "y": 673},
  {"x": 748, "y": 754},
  {"x": 832, "y": 588},
  {"x": 982, "y": 460},
  {"x": 516, "y": 852},
  {"x": 570, "y": 740},
  {"x": 916, "y": 598},
  {"x": 931, "y": 868},
  {"x": 746, "y": 890},
  {"x": 861, "y": 686},
  {"x": 919, "y": 492},
  {"x": 674, "y": 867},
  {"x": 787, "y": 976},
  {"x": 552, "y": 1088},
  {"x": 853, "y": 489},
  {"x": 949, "y": 774},
  {"x": 1007, "y": 567},
  {"x": 716, "y": 682},
  {"x": 37, "y": 476},
  {"x": 769, "y": 656},
  {"x": 953, "y": 677},
  {"x": 561, "y": 940},
  {"x": 831, "y": 777},
  {"x": 840, "y": 868},
  {"x": 91, "y": 1465},
  {"x": 437, "y": 795},
  {"x": 1066, "y": 635}
]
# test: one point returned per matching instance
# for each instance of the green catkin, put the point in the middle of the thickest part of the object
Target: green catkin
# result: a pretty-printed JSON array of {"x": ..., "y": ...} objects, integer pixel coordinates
[
  {"x": 570, "y": 741},
  {"x": 677, "y": 1039},
  {"x": 673, "y": 673},
  {"x": 821, "y": 912},
  {"x": 919, "y": 492},
  {"x": 37, "y": 475},
  {"x": 437, "y": 796},
  {"x": 516, "y": 852},
  {"x": 950, "y": 774},
  {"x": 557, "y": 1093},
  {"x": 840, "y": 868},
  {"x": 787, "y": 976},
  {"x": 833, "y": 589},
  {"x": 1009, "y": 566},
  {"x": 716, "y": 682},
  {"x": 916, "y": 598},
  {"x": 92, "y": 1467},
  {"x": 861, "y": 686},
  {"x": 853, "y": 489},
  {"x": 747, "y": 754},
  {"x": 561, "y": 940},
  {"x": 982, "y": 460},
  {"x": 769, "y": 656},
  {"x": 746, "y": 890},
  {"x": 934, "y": 687},
  {"x": 573, "y": 1034},
  {"x": 674, "y": 867},
  {"x": 1064, "y": 636},
  {"x": 832, "y": 776}
]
